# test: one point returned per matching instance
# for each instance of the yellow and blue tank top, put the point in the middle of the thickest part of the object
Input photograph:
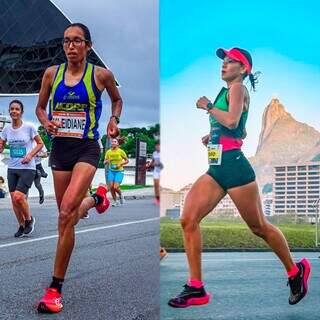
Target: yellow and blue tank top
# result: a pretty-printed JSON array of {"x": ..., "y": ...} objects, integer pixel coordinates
[{"x": 79, "y": 107}]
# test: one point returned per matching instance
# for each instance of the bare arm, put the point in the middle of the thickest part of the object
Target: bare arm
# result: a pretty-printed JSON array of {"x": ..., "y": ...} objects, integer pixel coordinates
[
  {"x": 126, "y": 161},
  {"x": 231, "y": 118},
  {"x": 34, "y": 151},
  {"x": 105, "y": 80},
  {"x": 2, "y": 143},
  {"x": 44, "y": 95}
]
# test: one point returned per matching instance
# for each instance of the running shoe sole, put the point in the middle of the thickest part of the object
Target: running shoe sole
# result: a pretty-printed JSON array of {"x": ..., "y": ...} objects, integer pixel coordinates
[
  {"x": 192, "y": 302},
  {"x": 42, "y": 308}
]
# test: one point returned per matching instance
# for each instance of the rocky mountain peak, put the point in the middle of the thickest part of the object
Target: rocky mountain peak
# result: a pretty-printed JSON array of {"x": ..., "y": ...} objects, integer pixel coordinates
[{"x": 273, "y": 113}]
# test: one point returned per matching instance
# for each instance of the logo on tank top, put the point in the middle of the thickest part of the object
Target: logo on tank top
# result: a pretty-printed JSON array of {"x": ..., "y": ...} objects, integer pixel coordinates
[
  {"x": 62, "y": 106},
  {"x": 71, "y": 96}
]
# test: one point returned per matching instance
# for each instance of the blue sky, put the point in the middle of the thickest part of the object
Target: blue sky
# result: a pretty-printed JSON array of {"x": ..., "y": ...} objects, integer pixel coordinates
[{"x": 282, "y": 38}]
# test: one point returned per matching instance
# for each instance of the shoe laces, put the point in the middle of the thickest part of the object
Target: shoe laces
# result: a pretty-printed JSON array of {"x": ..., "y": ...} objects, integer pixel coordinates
[{"x": 187, "y": 289}]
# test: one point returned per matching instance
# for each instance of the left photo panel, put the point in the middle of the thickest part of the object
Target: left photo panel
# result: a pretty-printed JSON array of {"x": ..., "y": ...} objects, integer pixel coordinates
[{"x": 79, "y": 159}]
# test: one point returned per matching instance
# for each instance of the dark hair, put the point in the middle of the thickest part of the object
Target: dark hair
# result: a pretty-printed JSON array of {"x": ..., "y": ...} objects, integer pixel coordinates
[
  {"x": 84, "y": 28},
  {"x": 18, "y": 102},
  {"x": 253, "y": 78},
  {"x": 1, "y": 179},
  {"x": 157, "y": 142}
]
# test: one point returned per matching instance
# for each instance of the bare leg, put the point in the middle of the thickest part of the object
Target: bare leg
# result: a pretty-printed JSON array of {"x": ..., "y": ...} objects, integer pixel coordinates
[
  {"x": 20, "y": 202},
  {"x": 203, "y": 197},
  {"x": 116, "y": 187},
  {"x": 247, "y": 200},
  {"x": 156, "y": 186},
  {"x": 70, "y": 201},
  {"x": 16, "y": 210},
  {"x": 112, "y": 190}
]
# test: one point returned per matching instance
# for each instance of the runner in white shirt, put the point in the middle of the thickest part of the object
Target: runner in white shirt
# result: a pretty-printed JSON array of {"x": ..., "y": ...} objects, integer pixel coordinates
[
  {"x": 20, "y": 136},
  {"x": 157, "y": 167}
]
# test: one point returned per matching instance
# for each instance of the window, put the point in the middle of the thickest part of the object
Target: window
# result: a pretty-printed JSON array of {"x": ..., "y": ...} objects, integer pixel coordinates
[{"x": 314, "y": 167}]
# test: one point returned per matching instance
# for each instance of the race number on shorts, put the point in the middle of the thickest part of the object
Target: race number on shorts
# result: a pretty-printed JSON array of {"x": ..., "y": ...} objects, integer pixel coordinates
[{"x": 72, "y": 123}]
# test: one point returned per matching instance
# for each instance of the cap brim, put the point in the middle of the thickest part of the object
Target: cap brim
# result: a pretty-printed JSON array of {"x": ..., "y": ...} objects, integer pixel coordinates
[{"x": 221, "y": 53}]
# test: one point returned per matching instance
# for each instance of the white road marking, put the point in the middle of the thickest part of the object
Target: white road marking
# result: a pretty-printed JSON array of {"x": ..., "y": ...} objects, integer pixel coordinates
[
  {"x": 250, "y": 259},
  {"x": 17, "y": 243}
]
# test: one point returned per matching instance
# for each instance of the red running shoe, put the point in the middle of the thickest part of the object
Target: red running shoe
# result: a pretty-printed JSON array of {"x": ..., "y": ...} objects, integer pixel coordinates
[
  {"x": 51, "y": 302},
  {"x": 104, "y": 205}
]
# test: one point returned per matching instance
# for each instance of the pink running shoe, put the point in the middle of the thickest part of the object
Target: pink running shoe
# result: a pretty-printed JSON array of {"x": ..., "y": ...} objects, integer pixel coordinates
[
  {"x": 299, "y": 283},
  {"x": 190, "y": 296}
]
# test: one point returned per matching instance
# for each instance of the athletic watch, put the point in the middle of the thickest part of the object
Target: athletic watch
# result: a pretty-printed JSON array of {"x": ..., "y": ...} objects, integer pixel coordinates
[
  {"x": 116, "y": 118},
  {"x": 210, "y": 106}
]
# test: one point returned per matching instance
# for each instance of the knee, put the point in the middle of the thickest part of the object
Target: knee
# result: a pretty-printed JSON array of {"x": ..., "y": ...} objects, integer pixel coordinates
[
  {"x": 66, "y": 215},
  {"x": 188, "y": 224},
  {"x": 19, "y": 198},
  {"x": 260, "y": 230}
]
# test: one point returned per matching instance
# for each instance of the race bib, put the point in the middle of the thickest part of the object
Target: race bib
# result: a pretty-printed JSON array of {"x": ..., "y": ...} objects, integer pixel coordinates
[
  {"x": 17, "y": 151},
  {"x": 214, "y": 154},
  {"x": 72, "y": 123}
]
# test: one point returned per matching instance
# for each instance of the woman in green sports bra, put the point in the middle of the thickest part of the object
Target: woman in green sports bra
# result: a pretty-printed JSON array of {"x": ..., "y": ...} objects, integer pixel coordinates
[{"x": 230, "y": 173}]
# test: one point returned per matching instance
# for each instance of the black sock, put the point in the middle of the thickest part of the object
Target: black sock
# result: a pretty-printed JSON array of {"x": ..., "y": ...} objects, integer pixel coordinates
[
  {"x": 57, "y": 283},
  {"x": 97, "y": 199}
]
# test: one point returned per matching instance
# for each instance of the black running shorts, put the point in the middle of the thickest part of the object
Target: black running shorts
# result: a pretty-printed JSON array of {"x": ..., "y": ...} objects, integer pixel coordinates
[
  {"x": 67, "y": 152},
  {"x": 20, "y": 179}
]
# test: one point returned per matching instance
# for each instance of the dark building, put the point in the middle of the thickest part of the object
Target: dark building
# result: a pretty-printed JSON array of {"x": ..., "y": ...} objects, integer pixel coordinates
[{"x": 31, "y": 34}]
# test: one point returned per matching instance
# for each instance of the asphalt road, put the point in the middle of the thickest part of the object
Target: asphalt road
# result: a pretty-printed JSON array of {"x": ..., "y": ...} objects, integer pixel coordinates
[
  {"x": 244, "y": 286},
  {"x": 114, "y": 270}
]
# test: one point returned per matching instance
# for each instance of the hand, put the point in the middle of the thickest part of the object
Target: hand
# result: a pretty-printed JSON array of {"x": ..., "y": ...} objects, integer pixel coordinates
[
  {"x": 205, "y": 139},
  {"x": 112, "y": 129},
  {"x": 26, "y": 159},
  {"x": 52, "y": 127},
  {"x": 202, "y": 103}
]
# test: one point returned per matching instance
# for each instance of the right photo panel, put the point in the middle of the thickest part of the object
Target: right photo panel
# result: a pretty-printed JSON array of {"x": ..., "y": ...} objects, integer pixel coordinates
[{"x": 240, "y": 147}]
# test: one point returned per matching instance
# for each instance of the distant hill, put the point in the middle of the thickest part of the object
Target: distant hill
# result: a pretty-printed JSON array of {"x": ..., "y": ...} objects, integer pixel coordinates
[{"x": 283, "y": 140}]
